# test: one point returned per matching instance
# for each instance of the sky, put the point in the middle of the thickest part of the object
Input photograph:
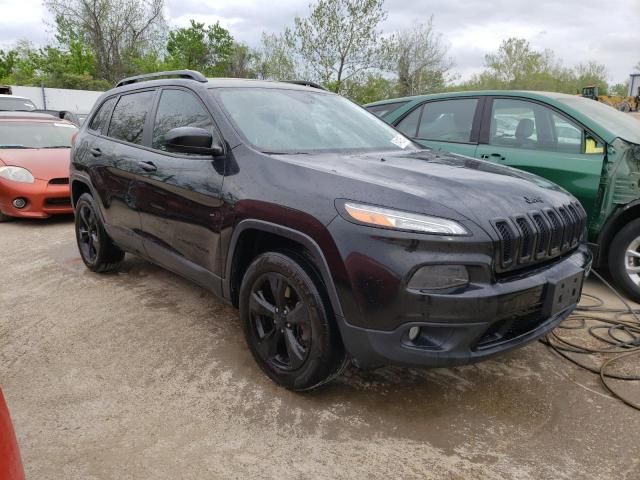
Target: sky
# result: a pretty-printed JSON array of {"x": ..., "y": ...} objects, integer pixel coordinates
[{"x": 607, "y": 31}]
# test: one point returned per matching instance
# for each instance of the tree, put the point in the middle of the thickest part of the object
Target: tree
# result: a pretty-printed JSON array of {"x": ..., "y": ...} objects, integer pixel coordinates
[
  {"x": 117, "y": 31},
  {"x": 420, "y": 60},
  {"x": 620, "y": 89},
  {"x": 275, "y": 58},
  {"x": 339, "y": 40},
  {"x": 515, "y": 60},
  {"x": 196, "y": 47},
  {"x": 241, "y": 62},
  {"x": 374, "y": 87},
  {"x": 592, "y": 73}
]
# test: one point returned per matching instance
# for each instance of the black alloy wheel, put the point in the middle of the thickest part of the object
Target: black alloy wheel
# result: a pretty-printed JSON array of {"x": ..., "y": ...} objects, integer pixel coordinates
[
  {"x": 280, "y": 321},
  {"x": 88, "y": 237},
  {"x": 288, "y": 323},
  {"x": 97, "y": 250}
]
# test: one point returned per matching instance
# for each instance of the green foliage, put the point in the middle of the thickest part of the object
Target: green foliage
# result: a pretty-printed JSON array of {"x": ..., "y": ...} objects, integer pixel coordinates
[
  {"x": 274, "y": 60},
  {"x": 517, "y": 66},
  {"x": 339, "y": 40},
  {"x": 208, "y": 50},
  {"x": 419, "y": 58},
  {"x": 374, "y": 87},
  {"x": 620, "y": 89}
]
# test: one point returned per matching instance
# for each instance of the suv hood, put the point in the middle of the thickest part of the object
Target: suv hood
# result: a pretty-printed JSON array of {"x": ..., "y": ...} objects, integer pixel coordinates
[
  {"x": 474, "y": 189},
  {"x": 43, "y": 163}
]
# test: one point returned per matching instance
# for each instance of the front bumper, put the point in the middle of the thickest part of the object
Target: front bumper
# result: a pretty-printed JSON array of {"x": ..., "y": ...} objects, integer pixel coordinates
[
  {"x": 489, "y": 316},
  {"x": 44, "y": 199}
]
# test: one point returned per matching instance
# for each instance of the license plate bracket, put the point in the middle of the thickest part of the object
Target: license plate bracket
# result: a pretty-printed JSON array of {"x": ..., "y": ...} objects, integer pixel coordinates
[{"x": 563, "y": 293}]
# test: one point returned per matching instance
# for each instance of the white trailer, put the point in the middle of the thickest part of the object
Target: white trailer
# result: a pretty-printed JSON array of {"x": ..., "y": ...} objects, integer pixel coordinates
[{"x": 76, "y": 101}]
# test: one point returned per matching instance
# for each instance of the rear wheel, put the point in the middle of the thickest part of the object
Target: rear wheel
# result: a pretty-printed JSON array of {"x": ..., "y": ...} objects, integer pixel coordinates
[
  {"x": 624, "y": 260},
  {"x": 97, "y": 250},
  {"x": 287, "y": 325}
]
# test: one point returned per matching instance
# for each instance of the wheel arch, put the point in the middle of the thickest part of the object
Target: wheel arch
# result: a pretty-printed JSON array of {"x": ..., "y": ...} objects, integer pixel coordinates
[
  {"x": 252, "y": 237},
  {"x": 619, "y": 219},
  {"x": 78, "y": 187}
]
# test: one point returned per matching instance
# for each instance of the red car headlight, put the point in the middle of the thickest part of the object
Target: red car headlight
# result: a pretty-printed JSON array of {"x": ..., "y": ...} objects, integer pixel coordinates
[{"x": 17, "y": 174}]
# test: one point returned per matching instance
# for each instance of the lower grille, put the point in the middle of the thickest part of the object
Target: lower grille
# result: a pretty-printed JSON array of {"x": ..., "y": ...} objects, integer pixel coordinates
[
  {"x": 510, "y": 328},
  {"x": 537, "y": 236},
  {"x": 58, "y": 202}
]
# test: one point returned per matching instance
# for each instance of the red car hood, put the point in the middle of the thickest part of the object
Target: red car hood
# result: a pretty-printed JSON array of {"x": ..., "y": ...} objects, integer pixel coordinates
[{"x": 43, "y": 163}]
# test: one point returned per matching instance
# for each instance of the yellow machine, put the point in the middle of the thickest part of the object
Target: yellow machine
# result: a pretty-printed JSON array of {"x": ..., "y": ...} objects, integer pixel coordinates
[{"x": 624, "y": 104}]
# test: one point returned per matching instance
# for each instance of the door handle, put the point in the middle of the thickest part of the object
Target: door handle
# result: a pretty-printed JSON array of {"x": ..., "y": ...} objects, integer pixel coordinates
[
  {"x": 148, "y": 166},
  {"x": 96, "y": 152},
  {"x": 492, "y": 156}
]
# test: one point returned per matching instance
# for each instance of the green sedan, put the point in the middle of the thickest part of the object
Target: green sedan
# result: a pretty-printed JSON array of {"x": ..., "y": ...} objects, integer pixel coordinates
[{"x": 589, "y": 148}]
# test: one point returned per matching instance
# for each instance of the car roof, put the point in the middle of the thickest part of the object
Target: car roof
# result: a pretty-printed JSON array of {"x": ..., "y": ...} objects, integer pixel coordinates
[
  {"x": 3, "y": 95},
  {"x": 474, "y": 93},
  {"x": 215, "y": 83}
]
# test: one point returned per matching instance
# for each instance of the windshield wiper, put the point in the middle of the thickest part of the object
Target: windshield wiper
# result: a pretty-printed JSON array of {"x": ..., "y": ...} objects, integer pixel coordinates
[
  {"x": 13, "y": 146},
  {"x": 285, "y": 153},
  {"x": 57, "y": 146}
]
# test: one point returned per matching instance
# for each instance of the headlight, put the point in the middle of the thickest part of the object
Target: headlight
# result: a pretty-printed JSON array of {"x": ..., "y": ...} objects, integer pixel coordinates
[
  {"x": 383, "y": 217},
  {"x": 17, "y": 174}
]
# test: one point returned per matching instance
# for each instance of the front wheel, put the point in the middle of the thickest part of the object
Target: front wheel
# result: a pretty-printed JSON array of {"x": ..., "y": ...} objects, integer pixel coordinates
[
  {"x": 97, "y": 250},
  {"x": 287, "y": 325},
  {"x": 624, "y": 260},
  {"x": 5, "y": 218}
]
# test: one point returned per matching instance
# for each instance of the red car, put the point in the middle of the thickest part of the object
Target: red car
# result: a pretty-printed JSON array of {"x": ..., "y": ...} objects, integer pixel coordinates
[
  {"x": 10, "y": 464},
  {"x": 34, "y": 165}
]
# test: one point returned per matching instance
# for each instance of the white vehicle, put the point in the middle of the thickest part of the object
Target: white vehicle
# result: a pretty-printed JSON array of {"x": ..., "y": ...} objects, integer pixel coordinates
[{"x": 16, "y": 104}]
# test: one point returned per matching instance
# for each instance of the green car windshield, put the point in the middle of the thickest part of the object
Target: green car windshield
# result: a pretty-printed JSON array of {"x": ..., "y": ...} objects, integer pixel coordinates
[
  {"x": 277, "y": 120},
  {"x": 620, "y": 124}
]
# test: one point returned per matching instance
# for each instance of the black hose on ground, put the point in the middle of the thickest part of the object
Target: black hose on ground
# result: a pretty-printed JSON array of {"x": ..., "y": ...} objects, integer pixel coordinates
[{"x": 620, "y": 339}]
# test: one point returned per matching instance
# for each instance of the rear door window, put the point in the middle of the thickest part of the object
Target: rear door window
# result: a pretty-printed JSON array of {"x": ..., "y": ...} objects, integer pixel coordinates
[
  {"x": 385, "y": 109},
  {"x": 129, "y": 116},
  {"x": 448, "y": 120},
  {"x": 533, "y": 126},
  {"x": 100, "y": 121},
  {"x": 409, "y": 124},
  {"x": 178, "y": 108}
]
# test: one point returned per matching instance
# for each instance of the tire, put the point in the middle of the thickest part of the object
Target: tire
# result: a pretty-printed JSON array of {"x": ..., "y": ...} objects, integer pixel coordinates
[
  {"x": 288, "y": 326},
  {"x": 5, "y": 218},
  {"x": 625, "y": 267},
  {"x": 97, "y": 250}
]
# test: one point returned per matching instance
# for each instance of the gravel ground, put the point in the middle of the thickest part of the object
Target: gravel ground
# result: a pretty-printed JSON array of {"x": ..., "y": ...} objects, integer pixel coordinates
[{"x": 141, "y": 375}]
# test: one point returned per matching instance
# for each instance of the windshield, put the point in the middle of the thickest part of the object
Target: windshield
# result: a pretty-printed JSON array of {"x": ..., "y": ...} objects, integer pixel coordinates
[
  {"x": 36, "y": 135},
  {"x": 297, "y": 121},
  {"x": 619, "y": 124},
  {"x": 16, "y": 104}
]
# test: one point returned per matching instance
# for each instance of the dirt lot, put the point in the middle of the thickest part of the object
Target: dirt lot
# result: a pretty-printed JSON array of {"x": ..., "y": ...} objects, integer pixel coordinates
[{"x": 142, "y": 375}]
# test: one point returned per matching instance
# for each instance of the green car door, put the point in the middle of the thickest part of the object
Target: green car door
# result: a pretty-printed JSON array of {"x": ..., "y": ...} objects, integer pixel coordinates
[
  {"x": 450, "y": 125},
  {"x": 532, "y": 136}
]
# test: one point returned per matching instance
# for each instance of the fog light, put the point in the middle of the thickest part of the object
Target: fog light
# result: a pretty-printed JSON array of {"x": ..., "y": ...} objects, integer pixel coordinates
[
  {"x": 413, "y": 333},
  {"x": 439, "y": 277},
  {"x": 19, "y": 203}
]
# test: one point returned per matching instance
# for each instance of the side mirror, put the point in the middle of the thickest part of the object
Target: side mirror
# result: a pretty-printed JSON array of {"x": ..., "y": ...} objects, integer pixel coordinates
[{"x": 191, "y": 140}]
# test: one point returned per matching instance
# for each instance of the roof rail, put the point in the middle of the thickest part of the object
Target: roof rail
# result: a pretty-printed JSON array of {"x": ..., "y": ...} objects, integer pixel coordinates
[
  {"x": 188, "y": 74},
  {"x": 306, "y": 83}
]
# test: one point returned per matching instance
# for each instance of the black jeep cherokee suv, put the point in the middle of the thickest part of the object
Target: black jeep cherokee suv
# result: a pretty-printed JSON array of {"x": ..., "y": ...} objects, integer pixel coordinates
[{"x": 336, "y": 236}]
